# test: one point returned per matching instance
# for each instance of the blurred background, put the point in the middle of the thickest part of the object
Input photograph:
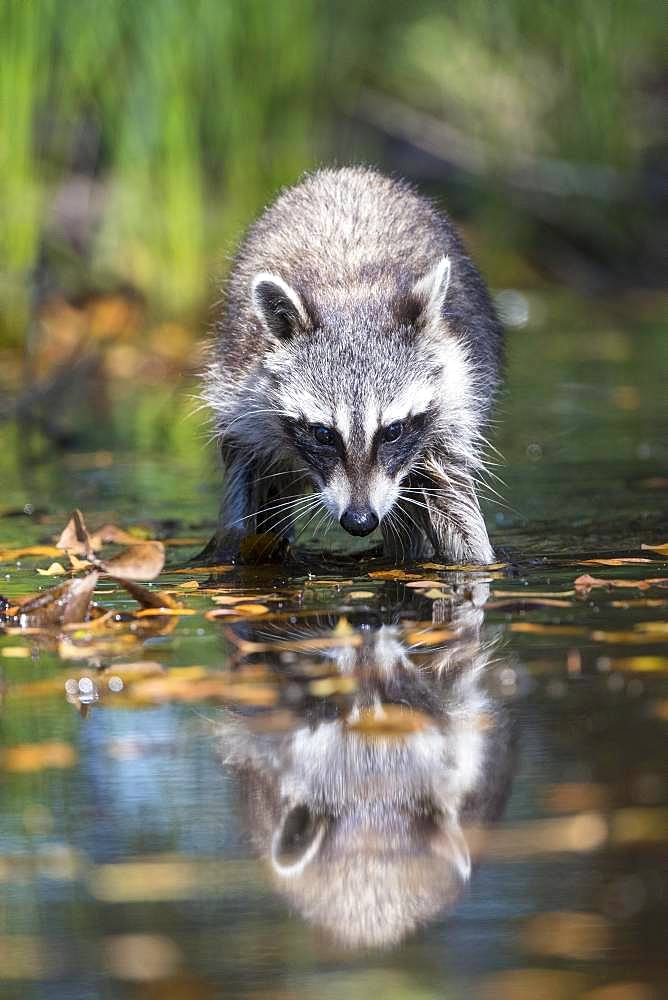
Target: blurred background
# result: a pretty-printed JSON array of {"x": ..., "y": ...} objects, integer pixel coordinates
[{"x": 138, "y": 140}]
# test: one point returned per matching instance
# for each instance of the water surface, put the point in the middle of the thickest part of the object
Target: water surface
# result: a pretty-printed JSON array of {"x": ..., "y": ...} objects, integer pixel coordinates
[{"x": 436, "y": 783}]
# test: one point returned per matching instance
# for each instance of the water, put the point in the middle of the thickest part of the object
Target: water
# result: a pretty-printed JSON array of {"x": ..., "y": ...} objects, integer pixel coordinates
[{"x": 454, "y": 788}]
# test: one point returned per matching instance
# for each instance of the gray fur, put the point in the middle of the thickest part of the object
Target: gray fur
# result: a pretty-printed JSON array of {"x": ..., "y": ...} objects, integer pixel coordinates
[{"x": 350, "y": 296}]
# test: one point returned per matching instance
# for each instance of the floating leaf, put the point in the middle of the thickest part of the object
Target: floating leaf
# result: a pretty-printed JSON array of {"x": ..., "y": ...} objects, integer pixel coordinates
[
  {"x": 147, "y": 598},
  {"x": 206, "y": 570},
  {"x": 661, "y": 548},
  {"x": 250, "y": 609},
  {"x": 533, "y": 602},
  {"x": 16, "y": 652},
  {"x": 392, "y": 574},
  {"x": 642, "y": 664},
  {"x": 48, "y": 551},
  {"x": 587, "y": 582},
  {"x": 620, "y": 561},
  {"x": 536, "y": 628},
  {"x": 60, "y": 605},
  {"x": 189, "y": 585},
  {"x": 29, "y": 757},
  {"x": 55, "y": 569},
  {"x": 143, "y": 561},
  {"x": 361, "y": 595}
]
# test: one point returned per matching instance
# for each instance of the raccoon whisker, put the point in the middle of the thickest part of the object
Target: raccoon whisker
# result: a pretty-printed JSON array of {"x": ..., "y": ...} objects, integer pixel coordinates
[
  {"x": 293, "y": 515},
  {"x": 394, "y": 527},
  {"x": 253, "y": 413},
  {"x": 319, "y": 501},
  {"x": 288, "y": 502},
  {"x": 287, "y": 472}
]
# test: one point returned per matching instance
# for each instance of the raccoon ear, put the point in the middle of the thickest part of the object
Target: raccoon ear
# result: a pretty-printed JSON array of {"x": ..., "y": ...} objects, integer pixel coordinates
[
  {"x": 278, "y": 306},
  {"x": 424, "y": 304}
]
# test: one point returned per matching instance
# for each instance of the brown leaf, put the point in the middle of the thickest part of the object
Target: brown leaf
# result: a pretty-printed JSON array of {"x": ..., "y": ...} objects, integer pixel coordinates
[
  {"x": 393, "y": 574},
  {"x": 112, "y": 533},
  {"x": 148, "y": 598},
  {"x": 138, "y": 562},
  {"x": 74, "y": 537},
  {"x": 60, "y": 605}
]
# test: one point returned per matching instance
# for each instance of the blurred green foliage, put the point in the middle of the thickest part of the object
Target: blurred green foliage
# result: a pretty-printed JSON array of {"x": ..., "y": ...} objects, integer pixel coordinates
[{"x": 184, "y": 117}]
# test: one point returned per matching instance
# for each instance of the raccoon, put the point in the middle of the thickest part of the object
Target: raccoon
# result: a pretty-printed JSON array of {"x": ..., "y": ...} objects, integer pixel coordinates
[{"x": 355, "y": 362}]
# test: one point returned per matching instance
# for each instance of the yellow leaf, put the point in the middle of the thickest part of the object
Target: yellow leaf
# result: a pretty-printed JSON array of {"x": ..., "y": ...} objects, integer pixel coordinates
[
  {"x": 29, "y": 757},
  {"x": 546, "y": 629},
  {"x": 16, "y": 652},
  {"x": 661, "y": 548},
  {"x": 55, "y": 569},
  {"x": 7, "y": 555}
]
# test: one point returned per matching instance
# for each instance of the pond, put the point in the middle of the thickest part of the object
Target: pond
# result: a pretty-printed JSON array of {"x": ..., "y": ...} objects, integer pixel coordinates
[{"x": 421, "y": 781}]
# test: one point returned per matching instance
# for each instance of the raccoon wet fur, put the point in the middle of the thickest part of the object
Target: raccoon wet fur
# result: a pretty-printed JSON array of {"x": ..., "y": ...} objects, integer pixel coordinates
[{"x": 356, "y": 358}]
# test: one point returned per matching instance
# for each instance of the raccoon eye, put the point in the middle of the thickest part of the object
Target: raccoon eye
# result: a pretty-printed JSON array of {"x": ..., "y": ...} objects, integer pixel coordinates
[
  {"x": 393, "y": 432},
  {"x": 323, "y": 435}
]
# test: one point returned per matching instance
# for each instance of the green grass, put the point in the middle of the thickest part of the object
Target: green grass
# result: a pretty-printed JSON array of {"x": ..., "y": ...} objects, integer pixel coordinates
[{"x": 203, "y": 108}]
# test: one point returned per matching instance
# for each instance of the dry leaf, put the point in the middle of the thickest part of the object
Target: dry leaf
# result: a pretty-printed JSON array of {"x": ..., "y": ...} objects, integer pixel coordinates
[
  {"x": 250, "y": 609},
  {"x": 189, "y": 585},
  {"x": 148, "y": 598},
  {"x": 55, "y": 569},
  {"x": 660, "y": 547},
  {"x": 587, "y": 582},
  {"x": 361, "y": 595},
  {"x": 546, "y": 629},
  {"x": 16, "y": 652},
  {"x": 60, "y": 605},
  {"x": 48, "y": 551},
  {"x": 620, "y": 561},
  {"x": 29, "y": 757},
  {"x": 392, "y": 574},
  {"x": 642, "y": 664},
  {"x": 534, "y": 602},
  {"x": 74, "y": 537},
  {"x": 138, "y": 562}
]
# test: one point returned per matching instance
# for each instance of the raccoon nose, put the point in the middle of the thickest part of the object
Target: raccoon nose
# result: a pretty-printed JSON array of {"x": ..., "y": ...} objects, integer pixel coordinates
[{"x": 359, "y": 520}]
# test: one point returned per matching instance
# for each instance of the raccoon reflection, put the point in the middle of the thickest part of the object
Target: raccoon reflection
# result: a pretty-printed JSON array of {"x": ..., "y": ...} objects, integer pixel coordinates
[{"x": 366, "y": 834}]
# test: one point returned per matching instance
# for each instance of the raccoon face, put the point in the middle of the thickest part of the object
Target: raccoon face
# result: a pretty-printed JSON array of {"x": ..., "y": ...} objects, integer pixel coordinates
[{"x": 361, "y": 389}]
